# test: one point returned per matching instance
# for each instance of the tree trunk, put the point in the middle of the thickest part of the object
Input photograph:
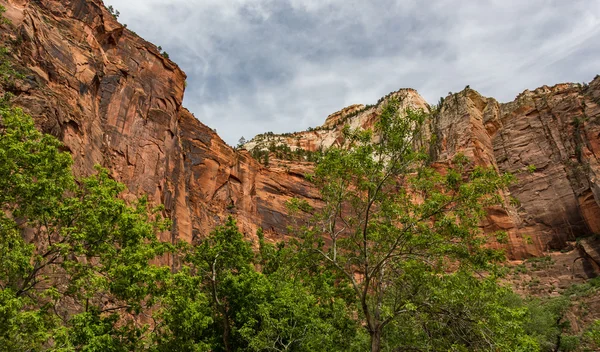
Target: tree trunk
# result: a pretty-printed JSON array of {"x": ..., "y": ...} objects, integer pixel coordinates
[
  {"x": 226, "y": 331},
  {"x": 376, "y": 340}
]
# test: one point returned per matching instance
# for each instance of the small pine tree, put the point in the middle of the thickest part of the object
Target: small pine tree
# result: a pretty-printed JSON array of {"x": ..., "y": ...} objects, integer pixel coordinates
[
  {"x": 113, "y": 12},
  {"x": 241, "y": 142}
]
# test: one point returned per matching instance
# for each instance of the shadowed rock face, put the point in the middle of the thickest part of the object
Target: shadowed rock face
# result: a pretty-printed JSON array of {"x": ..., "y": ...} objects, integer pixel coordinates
[
  {"x": 114, "y": 100},
  {"x": 549, "y": 139}
]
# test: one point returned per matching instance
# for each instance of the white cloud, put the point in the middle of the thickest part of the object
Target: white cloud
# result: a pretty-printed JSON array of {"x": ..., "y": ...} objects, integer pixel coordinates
[{"x": 284, "y": 65}]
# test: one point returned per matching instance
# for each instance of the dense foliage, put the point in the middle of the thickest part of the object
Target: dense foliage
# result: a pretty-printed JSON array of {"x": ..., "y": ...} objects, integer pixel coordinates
[
  {"x": 394, "y": 260},
  {"x": 75, "y": 257},
  {"x": 79, "y": 272},
  {"x": 405, "y": 239}
]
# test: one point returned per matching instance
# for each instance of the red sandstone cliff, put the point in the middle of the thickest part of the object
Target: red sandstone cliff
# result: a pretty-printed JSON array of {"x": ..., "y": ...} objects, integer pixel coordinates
[
  {"x": 547, "y": 138},
  {"x": 114, "y": 100}
]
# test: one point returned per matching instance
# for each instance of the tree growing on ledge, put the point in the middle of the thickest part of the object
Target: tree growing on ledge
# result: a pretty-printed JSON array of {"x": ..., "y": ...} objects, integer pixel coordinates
[
  {"x": 405, "y": 238},
  {"x": 113, "y": 12}
]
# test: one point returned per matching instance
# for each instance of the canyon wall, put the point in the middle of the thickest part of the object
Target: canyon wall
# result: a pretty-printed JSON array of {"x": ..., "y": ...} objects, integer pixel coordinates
[
  {"x": 114, "y": 100},
  {"x": 548, "y": 138}
]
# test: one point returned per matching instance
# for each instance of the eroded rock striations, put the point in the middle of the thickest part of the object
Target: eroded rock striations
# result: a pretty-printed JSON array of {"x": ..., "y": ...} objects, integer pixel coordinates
[
  {"x": 548, "y": 138},
  {"x": 115, "y": 100}
]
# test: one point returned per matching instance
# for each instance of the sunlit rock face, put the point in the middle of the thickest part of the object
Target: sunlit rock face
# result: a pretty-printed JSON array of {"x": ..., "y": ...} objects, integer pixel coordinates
[{"x": 114, "y": 100}]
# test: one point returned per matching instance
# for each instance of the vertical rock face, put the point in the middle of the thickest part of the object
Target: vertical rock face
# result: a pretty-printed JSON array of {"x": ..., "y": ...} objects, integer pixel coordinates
[
  {"x": 547, "y": 138},
  {"x": 108, "y": 94},
  {"x": 115, "y": 101},
  {"x": 217, "y": 181}
]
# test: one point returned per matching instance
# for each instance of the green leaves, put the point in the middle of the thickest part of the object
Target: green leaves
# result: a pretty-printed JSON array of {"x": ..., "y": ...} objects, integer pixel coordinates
[
  {"x": 34, "y": 173},
  {"x": 389, "y": 262},
  {"x": 184, "y": 321},
  {"x": 22, "y": 328},
  {"x": 226, "y": 297},
  {"x": 396, "y": 228},
  {"x": 79, "y": 237}
]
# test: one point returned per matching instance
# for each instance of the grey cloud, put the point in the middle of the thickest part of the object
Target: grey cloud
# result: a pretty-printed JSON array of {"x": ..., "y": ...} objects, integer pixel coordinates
[{"x": 284, "y": 65}]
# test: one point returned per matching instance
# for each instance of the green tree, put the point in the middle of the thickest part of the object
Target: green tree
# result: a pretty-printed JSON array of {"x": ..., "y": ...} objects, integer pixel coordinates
[
  {"x": 241, "y": 142},
  {"x": 226, "y": 297},
  {"x": 396, "y": 227},
  {"x": 185, "y": 320},
  {"x": 113, "y": 12},
  {"x": 223, "y": 262},
  {"x": 33, "y": 175},
  {"x": 75, "y": 260},
  {"x": 307, "y": 310}
]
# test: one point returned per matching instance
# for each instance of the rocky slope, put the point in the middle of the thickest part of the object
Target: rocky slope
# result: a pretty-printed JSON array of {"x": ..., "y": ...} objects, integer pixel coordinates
[
  {"x": 115, "y": 101},
  {"x": 548, "y": 138}
]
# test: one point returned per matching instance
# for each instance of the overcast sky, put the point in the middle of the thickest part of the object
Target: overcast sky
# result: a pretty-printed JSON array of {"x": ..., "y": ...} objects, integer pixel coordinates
[{"x": 284, "y": 65}]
